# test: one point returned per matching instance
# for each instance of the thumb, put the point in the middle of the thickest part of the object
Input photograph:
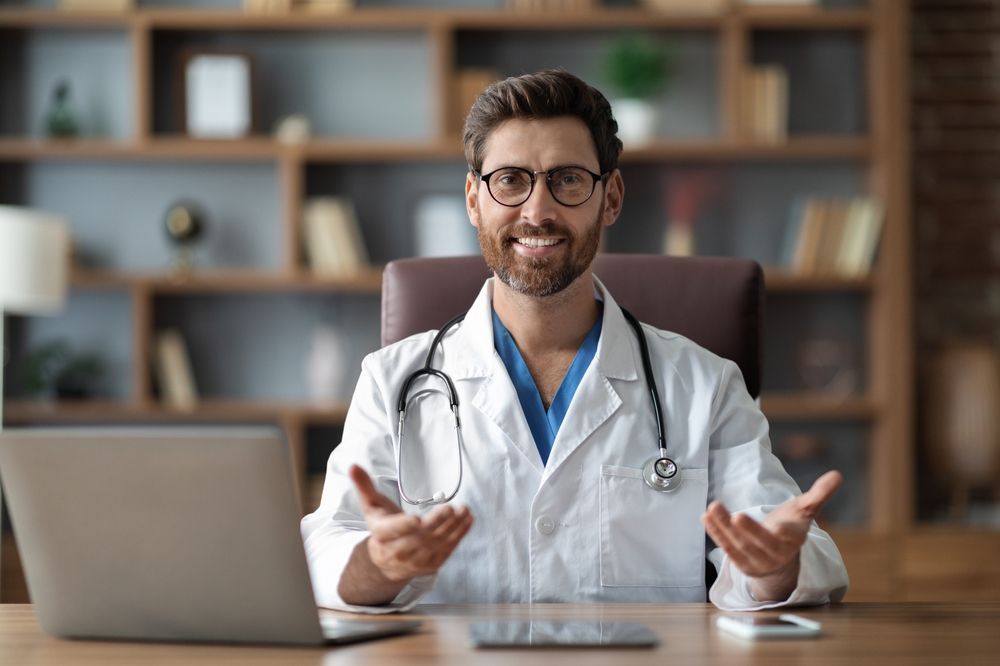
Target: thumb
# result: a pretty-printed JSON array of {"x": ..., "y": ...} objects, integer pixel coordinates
[
  {"x": 372, "y": 501},
  {"x": 822, "y": 489}
]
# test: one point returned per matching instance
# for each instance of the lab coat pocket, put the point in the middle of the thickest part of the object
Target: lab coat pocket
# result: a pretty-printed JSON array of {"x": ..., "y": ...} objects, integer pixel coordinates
[{"x": 651, "y": 538}]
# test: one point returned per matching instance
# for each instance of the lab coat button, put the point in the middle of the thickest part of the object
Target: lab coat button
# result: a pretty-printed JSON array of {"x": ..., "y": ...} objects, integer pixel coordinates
[{"x": 545, "y": 525}]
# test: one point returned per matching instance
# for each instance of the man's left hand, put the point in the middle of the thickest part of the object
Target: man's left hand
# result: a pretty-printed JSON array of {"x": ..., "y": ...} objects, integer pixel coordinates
[{"x": 769, "y": 551}]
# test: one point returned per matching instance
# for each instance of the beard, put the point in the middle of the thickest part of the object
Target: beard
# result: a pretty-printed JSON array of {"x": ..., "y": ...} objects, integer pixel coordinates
[{"x": 539, "y": 276}]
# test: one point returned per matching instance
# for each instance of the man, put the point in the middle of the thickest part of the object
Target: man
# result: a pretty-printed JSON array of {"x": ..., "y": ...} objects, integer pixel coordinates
[{"x": 556, "y": 422}]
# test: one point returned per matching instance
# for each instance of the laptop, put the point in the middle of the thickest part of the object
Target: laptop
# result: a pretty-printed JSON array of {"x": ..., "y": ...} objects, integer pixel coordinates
[{"x": 166, "y": 534}]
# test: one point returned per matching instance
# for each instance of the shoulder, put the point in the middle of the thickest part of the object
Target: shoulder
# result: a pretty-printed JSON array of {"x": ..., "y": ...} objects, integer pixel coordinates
[{"x": 689, "y": 359}]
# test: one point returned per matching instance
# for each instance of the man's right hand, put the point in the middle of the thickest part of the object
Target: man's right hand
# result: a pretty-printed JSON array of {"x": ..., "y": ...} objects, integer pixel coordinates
[{"x": 404, "y": 546}]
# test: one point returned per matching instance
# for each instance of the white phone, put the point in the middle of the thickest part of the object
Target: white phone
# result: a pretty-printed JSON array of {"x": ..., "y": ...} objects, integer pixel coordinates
[{"x": 754, "y": 626}]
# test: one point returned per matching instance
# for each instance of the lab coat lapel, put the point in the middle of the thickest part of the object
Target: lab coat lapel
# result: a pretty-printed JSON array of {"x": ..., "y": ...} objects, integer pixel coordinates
[
  {"x": 496, "y": 398},
  {"x": 596, "y": 399}
]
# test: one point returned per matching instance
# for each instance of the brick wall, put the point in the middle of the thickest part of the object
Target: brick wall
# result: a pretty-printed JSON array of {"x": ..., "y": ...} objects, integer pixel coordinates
[{"x": 955, "y": 88}]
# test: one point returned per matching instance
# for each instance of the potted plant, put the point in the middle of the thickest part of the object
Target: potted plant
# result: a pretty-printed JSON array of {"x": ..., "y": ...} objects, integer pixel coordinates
[{"x": 639, "y": 69}]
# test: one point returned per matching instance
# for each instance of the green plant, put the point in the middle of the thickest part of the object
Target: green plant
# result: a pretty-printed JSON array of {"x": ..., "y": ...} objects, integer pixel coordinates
[
  {"x": 51, "y": 369},
  {"x": 637, "y": 66}
]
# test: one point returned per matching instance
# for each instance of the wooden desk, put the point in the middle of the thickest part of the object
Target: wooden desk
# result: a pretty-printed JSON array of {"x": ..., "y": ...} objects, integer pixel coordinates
[{"x": 855, "y": 634}]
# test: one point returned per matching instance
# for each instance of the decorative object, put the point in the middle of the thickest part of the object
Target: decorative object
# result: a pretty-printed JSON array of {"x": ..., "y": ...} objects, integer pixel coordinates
[
  {"x": 53, "y": 370},
  {"x": 685, "y": 197},
  {"x": 217, "y": 94},
  {"x": 173, "y": 371},
  {"x": 639, "y": 69},
  {"x": 184, "y": 224},
  {"x": 34, "y": 262},
  {"x": 962, "y": 421},
  {"x": 442, "y": 227},
  {"x": 61, "y": 121},
  {"x": 828, "y": 366},
  {"x": 325, "y": 365},
  {"x": 293, "y": 130}
]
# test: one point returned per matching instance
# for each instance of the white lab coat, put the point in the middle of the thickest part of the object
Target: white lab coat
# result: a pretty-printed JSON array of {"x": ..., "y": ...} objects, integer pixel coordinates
[{"x": 584, "y": 527}]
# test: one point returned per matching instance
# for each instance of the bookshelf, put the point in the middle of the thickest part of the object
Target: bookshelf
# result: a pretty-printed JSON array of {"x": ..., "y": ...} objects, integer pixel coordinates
[{"x": 864, "y": 154}]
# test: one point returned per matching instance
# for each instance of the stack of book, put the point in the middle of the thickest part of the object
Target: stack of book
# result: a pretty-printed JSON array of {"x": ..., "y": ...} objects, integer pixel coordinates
[
  {"x": 833, "y": 237},
  {"x": 333, "y": 242},
  {"x": 322, "y": 5},
  {"x": 765, "y": 94},
  {"x": 550, "y": 5}
]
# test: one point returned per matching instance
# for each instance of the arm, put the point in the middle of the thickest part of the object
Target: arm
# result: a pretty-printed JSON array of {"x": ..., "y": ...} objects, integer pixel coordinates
[
  {"x": 769, "y": 549},
  {"x": 338, "y": 535}
]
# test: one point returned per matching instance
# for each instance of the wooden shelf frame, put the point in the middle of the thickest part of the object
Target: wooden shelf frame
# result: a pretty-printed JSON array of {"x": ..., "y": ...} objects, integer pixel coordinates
[{"x": 886, "y": 409}]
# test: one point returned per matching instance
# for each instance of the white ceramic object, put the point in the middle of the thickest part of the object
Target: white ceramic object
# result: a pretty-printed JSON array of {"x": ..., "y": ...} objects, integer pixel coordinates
[
  {"x": 637, "y": 119},
  {"x": 442, "y": 227}
]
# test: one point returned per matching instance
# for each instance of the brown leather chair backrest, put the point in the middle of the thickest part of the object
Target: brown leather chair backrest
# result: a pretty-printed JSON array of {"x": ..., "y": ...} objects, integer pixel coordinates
[{"x": 715, "y": 301}]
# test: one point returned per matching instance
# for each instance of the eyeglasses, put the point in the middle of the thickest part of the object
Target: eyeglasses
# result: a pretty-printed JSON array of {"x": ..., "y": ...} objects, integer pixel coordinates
[{"x": 569, "y": 185}]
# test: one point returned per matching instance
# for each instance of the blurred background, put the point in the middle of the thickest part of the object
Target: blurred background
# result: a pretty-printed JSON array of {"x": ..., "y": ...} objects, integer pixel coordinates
[{"x": 233, "y": 176}]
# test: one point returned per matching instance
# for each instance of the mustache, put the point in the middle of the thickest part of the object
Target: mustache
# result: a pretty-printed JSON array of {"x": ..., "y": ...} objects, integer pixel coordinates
[{"x": 535, "y": 230}]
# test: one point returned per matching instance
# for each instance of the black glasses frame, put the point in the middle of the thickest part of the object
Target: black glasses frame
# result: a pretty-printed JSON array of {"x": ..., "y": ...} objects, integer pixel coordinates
[{"x": 485, "y": 177}]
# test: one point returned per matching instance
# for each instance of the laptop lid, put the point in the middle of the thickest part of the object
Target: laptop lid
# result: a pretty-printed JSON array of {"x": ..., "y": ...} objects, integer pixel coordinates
[{"x": 187, "y": 534}]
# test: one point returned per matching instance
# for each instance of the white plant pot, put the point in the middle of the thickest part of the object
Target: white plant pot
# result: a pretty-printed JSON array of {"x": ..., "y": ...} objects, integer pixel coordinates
[{"x": 636, "y": 121}]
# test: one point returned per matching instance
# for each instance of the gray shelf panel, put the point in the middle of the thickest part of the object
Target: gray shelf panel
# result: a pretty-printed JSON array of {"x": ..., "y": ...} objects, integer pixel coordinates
[
  {"x": 258, "y": 346},
  {"x": 95, "y": 63},
  {"x": 98, "y": 323},
  {"x": 688, "y": 107},
  {"x": 116, "y": 211},
  {"x": 371, "y": 85}
]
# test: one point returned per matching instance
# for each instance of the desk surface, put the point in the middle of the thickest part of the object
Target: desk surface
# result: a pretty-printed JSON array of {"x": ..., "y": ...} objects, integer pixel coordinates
[{"x": 854, "y": 634}]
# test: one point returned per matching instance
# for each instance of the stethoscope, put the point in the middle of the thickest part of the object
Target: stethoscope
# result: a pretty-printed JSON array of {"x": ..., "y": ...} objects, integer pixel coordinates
[{"x": 660, "y": 472}]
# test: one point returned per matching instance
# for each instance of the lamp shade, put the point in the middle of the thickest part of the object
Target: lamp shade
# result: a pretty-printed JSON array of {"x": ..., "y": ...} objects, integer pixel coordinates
[{"x": 34, "y": 258}]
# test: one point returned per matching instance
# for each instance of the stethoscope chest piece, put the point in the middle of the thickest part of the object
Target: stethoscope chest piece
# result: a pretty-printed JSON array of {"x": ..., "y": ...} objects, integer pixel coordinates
[{"x": 661, "y": 473}]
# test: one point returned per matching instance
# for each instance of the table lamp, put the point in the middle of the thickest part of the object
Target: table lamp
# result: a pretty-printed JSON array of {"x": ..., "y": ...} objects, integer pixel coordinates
[{"x": 34, "y": 258}]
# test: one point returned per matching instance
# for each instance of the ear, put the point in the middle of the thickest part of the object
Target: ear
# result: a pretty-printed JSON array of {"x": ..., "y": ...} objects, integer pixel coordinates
[
  {"x": 472, "y": 198},
  {"x": 614, "y": 196}
]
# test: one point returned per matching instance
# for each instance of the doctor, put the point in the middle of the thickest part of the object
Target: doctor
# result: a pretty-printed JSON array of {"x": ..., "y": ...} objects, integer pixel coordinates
[{"x": 556, "y": 423}]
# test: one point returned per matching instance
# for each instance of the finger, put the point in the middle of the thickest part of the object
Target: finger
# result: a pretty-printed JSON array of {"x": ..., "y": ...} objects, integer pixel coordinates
[
  {"x": 759, "y": 558},
  {"x": 731, "y": 550},
  {"x": 825, "y": 486},
  {"x": 434, "y": 519},
  {"x": 371, "y": 499},
  {"x": 442, "y": 531},
  {"x": 449, "y": 545},
  {"x": 396, "y": 526},
  {"x": 762, "y": 537},
  {"x": 763, "y": 546}
]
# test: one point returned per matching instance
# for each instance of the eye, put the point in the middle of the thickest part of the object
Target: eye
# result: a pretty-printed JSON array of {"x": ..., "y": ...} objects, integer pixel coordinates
[{"x": 569, "y": 177}]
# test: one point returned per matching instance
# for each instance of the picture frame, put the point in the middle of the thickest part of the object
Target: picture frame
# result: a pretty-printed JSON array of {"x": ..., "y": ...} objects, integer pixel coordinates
[{"x": 216, "y": 94}]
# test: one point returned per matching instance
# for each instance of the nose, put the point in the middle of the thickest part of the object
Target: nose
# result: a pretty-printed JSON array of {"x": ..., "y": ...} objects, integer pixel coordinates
[{"x": 541, "y": 206}]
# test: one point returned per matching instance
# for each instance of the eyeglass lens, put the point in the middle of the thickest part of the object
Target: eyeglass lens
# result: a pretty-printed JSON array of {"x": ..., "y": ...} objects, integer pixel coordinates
[{"x": 570, "y": 186}]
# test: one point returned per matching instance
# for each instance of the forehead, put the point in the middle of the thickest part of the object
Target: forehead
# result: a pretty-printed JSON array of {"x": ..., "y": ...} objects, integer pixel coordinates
[{"x": 540, "y": 144}]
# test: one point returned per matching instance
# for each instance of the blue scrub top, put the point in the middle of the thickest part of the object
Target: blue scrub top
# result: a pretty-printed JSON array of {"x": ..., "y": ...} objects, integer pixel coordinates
[{"x": 544, "y": 424}]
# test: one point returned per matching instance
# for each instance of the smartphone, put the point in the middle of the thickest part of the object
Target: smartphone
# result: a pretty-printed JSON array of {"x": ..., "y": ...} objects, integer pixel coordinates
[{"x": 757, "y": 626}]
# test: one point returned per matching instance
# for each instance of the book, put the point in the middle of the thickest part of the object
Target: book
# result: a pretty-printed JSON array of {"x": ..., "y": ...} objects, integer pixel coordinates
[
  {"x": 861, "y": 237},
  {"x": 173, "y": 370},
  {"x": 831, "y": 236},
  {"x": 469, "y": 83},
  {"x": 810, "y": 232},
  {"x": 765, "y": 90},
  {"x": 333, "y": 242}
]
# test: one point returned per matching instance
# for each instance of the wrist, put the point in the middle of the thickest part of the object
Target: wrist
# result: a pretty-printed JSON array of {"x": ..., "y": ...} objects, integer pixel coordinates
[{"x": 778, "y": 585}]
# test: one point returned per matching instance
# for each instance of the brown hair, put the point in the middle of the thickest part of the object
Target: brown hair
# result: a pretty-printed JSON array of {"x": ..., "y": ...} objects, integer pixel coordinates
[{"x": 547, "y": 94}]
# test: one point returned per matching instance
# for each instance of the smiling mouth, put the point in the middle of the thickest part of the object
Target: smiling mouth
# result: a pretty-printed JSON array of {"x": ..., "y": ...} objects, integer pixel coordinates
[{"x": 538, "y": 242}]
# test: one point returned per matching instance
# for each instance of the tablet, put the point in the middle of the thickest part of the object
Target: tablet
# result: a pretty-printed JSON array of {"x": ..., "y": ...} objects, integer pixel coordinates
[{"x": 558, "y": 633}]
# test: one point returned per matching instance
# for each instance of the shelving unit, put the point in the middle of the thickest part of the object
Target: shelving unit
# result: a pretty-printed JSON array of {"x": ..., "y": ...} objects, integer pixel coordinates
[{"x": 868, "y": 156}]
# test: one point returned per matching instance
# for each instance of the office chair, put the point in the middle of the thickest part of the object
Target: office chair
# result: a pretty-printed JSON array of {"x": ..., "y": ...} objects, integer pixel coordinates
[{"x": 716, "y": 302}]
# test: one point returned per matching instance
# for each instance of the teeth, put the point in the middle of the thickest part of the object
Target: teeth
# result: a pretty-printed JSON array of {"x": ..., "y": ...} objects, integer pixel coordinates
[{"x": 537, "y": 242}]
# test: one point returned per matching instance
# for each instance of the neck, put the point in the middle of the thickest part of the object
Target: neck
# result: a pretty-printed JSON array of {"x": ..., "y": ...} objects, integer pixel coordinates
[{"x": 550, "y": 324}]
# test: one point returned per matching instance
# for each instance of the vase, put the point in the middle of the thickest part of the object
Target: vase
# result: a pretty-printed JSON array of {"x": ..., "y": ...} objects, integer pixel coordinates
[{"x": 637, "y": 120}]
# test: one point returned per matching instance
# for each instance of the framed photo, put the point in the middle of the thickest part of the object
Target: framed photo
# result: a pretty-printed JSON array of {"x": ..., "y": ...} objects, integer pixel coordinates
[{"x": 217, "y": 94}]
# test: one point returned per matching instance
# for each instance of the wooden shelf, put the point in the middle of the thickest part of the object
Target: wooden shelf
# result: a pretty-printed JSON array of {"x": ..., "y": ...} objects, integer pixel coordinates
[
  {"x": 390, "y": 19},
  {"x": 806, "y": 406},
  {"x": 364, "y": 150},
  {"x": 779, "y": 281},
  {"x": 366, "y": 282},
  {"x": 110, "y": 411}
]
